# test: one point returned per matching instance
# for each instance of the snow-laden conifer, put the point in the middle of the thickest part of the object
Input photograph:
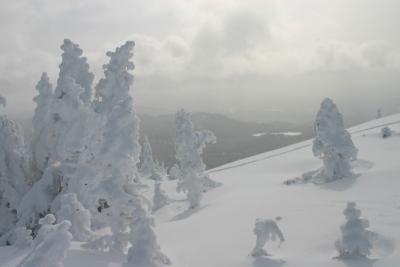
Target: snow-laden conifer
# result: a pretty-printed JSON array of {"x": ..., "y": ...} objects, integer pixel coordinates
[
  {"x": 42, "y": 134},
  {"x": 189, "y": 145},
  {"x": 13, "y": 182},
  {"x": 145, "y": 251},
  {"x": 333, "y": 142},
  {"x": 118, "y": 154},
  {"x": 356, "y": 240},
  {"x": 265, "y": 230}
]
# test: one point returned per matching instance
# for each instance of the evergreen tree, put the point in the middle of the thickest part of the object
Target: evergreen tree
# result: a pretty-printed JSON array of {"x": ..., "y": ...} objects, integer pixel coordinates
[
  {"x": 40, "y": 124},
  {"x": 145, "y": 251},
  {"x": 265, "y": 230},
  {"x": 13, "y": 182},
  {"x": 118, "y": 155},
  {"x": 356, "y": 240},
  {"x": 189, "y": 147},
  {"x": 333, "y": 142}
]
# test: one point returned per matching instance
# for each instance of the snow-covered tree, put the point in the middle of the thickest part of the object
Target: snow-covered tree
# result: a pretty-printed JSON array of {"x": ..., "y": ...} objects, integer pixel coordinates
[
  {"x": 147, "y": 163},
  {"x": 160, "y": 198},
  {"x": 265, "y": 230},
  {"x": 118, "y": 153},
  {"x": 333, "y": 142},
  {"x": 356, "y": 240},
  {"x": 41, "y": 134},
  {"x": 145, "y": 251},
  {"x": 189, "y": 147},
  {"x": 51, "y": 250},
  {"x": 74, "y": 66},
  {"x": 63, "y": 123},
  {"x": 386, "y": 132},
  {"x": 13, "y": 182},
  {"x": 72, "y": 210},
  {"x": 68, "y": 128}
]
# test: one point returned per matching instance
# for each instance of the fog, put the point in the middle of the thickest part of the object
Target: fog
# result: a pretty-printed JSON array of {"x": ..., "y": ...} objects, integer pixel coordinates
[{"x": 252, "y": 60}]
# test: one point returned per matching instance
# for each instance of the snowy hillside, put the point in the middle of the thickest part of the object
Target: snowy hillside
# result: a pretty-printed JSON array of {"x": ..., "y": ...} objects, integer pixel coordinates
[{"x": 220, "y": 232}]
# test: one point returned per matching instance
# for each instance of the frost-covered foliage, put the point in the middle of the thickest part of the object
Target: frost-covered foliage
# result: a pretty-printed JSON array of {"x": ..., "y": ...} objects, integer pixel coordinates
[
  {"x": 160, "y": 198},
  {"x": 145, "y": 251},
  {"x": 356, "y": 240},
  {"x": 13, "y": 182},
  {"x": 265, "y": 230},
  {"x": 52, "y": 248},
  {"x": 386, "y": 132},
  {"x": 189, "y": 145},
  {"x": 333, "y": 142},
  {"x": 74, "y": 66},
  {"x": 72, "y": 210},
  {"x": 147, "y": 165}
]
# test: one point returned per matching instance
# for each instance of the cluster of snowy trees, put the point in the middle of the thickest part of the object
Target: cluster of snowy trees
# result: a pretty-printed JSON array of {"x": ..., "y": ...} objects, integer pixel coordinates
[
  {"x": 333, "y": 144},
  {"x": 356, "y": 240},
  {"x": 81, "y": 164}
]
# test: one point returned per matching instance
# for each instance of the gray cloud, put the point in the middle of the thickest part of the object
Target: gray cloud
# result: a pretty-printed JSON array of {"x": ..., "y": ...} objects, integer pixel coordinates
[{"x": 245, "y": 58}]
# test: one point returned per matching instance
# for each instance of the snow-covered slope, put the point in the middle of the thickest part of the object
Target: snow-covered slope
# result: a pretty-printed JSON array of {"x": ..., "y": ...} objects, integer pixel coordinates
[{"x": 220, "y": 233}]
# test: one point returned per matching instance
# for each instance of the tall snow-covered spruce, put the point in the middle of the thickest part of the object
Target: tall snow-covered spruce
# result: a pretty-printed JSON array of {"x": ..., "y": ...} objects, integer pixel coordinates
[
  {"x": 117, "y": 180},
  {"x": 64, "y": 137},
  {"x": 332, "y": 143},
  {"x": 41, "y": 134},
  {"x": 13, "y": 182},
  {"x": 189, "y": 145}
]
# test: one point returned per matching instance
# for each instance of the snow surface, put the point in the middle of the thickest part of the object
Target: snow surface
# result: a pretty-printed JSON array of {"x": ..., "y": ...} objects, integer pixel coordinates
[
  {"x": 258, "y": 134},
  {"x": 220, "y": 232},
  {"x": 287, "y": 133}
]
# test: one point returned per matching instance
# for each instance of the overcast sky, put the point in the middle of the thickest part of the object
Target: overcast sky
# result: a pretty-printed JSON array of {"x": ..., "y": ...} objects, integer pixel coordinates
[{"x": 262, "y": 60}]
